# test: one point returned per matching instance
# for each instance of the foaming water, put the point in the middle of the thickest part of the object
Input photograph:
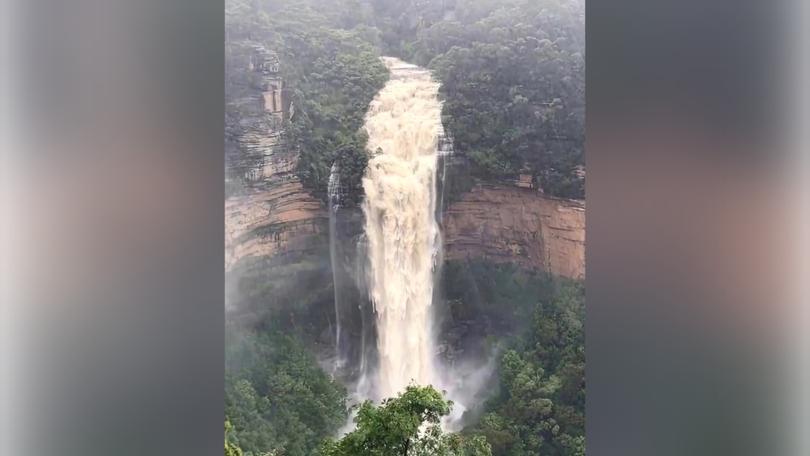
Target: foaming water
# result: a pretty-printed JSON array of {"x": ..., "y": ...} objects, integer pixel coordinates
[
  {"x": 403, "y": 125},
  {"x": 403, "y": 251}
]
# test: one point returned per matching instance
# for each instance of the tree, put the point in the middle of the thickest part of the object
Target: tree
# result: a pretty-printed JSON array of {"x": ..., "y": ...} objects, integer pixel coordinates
[
  {"x": 541, "y": 405},
  {"x": 231, "y": 449},
  {"x": 277, "y": 397},
  {"x": 331, "y": 72},
  {"x": 408, "y": 425},
  {"x": 512, "y": 74}
]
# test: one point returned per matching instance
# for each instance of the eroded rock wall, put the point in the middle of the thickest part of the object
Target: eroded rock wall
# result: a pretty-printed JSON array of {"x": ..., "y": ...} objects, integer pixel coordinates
[
  {"x": 496, "y": 223},
  {"x": 268, "y": 213},
  {"x": 282, "y": 219},
  {"x": 517, "y": 225}
]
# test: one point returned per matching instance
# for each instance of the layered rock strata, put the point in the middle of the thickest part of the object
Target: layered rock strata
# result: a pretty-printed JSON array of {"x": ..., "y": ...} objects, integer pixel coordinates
[{"x": 517, "y": 225}]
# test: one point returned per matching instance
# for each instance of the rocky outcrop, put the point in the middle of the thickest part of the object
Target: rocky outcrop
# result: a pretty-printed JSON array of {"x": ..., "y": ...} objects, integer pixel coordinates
[
  {"x": 517, "y": 225},
  {"x": 256, "y": 105},
  {"x": 496, "y": 223},
  {"x": 273, "y": 214},
  {"x": 282, "y": 219},
  {"x": 268, "y": 213}
]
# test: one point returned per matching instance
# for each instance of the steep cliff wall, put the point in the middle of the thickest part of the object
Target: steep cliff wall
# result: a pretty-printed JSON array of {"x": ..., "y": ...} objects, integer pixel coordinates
[
  {"x": 518, "y": 225},
  {"x": 497, "y": 223},
  {"x": 268, "y": 213},
  {"x": 276, "y": 243},
  {"x": 281, "y": 219}
]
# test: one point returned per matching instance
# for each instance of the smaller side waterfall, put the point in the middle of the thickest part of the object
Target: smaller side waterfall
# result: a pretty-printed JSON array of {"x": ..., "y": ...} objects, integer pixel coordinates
[
  {"x": 445, "y": 154},
  {"x": 334, "y": 195}
]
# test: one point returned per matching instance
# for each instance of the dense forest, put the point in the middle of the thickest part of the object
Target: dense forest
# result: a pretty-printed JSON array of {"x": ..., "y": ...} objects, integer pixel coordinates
[
  {"x": 512, "y": 76},
  {"x": 512, "y": 83},
  {"x": 279, "y": 398}
]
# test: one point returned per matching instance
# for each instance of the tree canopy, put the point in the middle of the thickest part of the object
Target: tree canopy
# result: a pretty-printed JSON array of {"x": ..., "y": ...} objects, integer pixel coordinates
[
  {"x": 513, "y": 81},
  {"x": 406, "y": 425},
  {"x": 277, "y": 398},
  {"x": 330, "y": 73},
  {"x": 541, "y": 405},
  {"x": 512, "y": 74}
]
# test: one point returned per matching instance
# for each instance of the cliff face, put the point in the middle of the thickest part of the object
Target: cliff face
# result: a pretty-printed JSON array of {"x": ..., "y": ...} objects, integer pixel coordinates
[
  {"x": 273, "y": 216},
  {"x": 269, "y": 213},
  {"x": 282, "y": 219},
  {"x": 517, "y": 225},
  {"x": 496, "y": 223}
]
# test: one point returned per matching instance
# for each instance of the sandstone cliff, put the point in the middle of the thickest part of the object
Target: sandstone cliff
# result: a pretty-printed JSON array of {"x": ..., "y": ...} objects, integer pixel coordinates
[
  {"x": 268, "y": 213},
  {"x": 518, "y": 225},
  {"x": 272, "y": 216},
  {"x": 497, "y": 223},
  {"x": 281, "y": 219}
]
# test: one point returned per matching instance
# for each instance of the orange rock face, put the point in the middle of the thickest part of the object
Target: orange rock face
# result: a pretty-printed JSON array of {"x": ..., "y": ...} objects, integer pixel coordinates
[
  {"x": 283, "y": 218},
  {"x": 497, "y": 223},
  {"x": 517, "y": 225}
]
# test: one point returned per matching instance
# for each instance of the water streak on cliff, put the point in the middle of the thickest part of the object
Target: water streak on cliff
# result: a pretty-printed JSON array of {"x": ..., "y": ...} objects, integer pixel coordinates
[{"x": 334, "y": 206}]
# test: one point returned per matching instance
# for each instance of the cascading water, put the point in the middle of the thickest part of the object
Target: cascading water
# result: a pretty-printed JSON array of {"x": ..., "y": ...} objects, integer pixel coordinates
[
  {"x": 399, "y": 255},
  {"x": 403, "y": 125}
]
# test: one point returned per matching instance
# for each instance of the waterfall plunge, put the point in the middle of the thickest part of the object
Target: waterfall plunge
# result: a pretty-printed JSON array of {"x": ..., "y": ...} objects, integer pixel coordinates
[{"x": 403, "y": 125}]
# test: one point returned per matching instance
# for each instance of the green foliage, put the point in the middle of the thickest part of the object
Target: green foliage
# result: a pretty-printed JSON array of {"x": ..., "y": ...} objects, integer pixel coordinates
[
  {"x": 330, "y": 104},
  {"x": 513, "y": 85},
  {"x": 231, "y": 448},
  {"x": 541, "y": 405},
  {"x": 512, "y": 74},
  {"x": 283, "y": 293},
  {"x": 280, "y": 401},
  {"x": 331, "y": 69},
  {"x": 277, "y": 397},
  {"x": 503, "y": 295},
  {"x": 394, "y": 429}
]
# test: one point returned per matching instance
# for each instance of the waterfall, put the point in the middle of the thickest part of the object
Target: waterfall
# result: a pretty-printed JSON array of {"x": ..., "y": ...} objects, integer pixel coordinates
[
  {"x": 403, "y": 125},
  {"x": 445, "y": 151},
  {"x": 334, "y": 204}
]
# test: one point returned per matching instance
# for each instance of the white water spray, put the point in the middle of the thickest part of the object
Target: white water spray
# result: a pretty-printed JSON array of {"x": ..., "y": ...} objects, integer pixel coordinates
[{"x": 403, "y": 126}]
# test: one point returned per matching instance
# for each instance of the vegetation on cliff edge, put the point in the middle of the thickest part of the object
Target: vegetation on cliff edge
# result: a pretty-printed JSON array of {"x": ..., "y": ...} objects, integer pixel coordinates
[
  {"x": 330, "y": 73},
  {"x": 513, "y": 81},
  {"x": 512, "y": 75}
]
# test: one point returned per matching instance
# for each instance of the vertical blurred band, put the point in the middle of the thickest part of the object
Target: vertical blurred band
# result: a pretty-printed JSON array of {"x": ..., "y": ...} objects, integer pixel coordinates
[
  {"x": 799, "y": 356},
  {"x": 113, "y": 228},
  {"x": 693, "y": 232}
]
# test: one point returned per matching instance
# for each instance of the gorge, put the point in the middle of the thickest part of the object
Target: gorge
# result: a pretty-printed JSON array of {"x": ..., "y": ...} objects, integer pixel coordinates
[
  {"x": 391, "y": 225},
  {"x": 391, "y": 248}
]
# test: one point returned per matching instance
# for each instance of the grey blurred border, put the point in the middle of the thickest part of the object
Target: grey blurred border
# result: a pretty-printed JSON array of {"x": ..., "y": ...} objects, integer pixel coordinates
[
  {"x": 691, "y": 239},
  {"x": 113, "y": 231}
]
